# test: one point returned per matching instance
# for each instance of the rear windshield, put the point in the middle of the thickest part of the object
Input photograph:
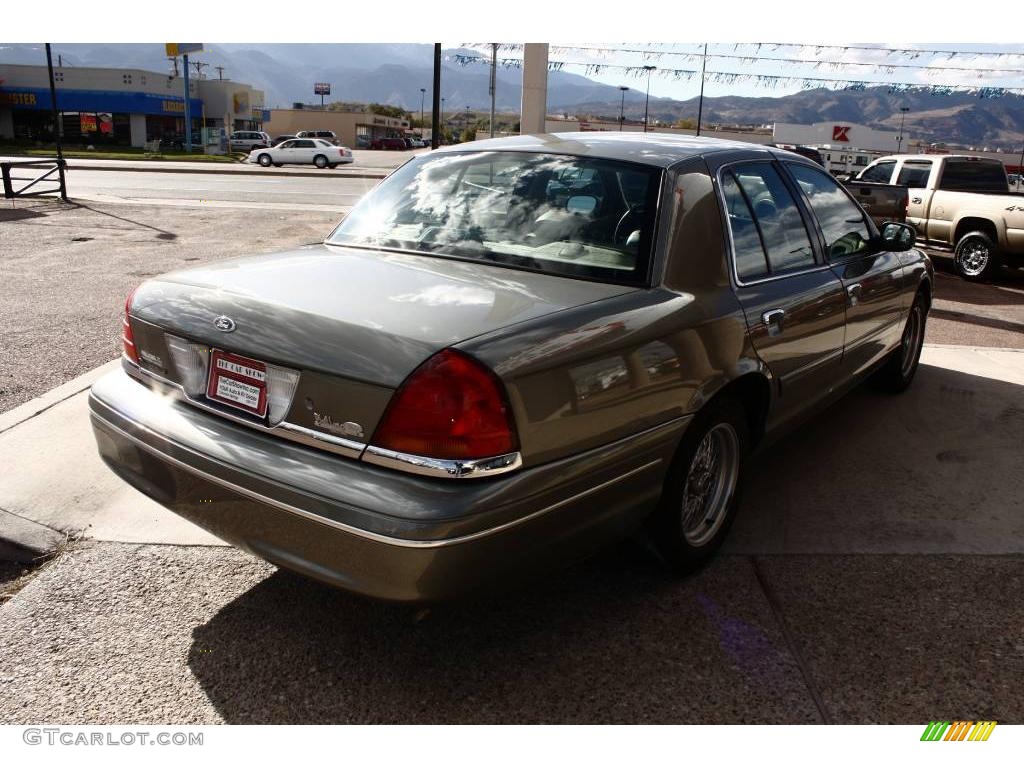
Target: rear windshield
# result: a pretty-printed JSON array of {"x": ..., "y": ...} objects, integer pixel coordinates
[
  {"x": 573, "y": 216},
  {"x": 974, "y": 176}
]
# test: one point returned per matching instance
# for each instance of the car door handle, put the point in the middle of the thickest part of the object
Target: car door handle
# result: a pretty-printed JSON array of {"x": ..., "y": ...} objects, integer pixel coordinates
[
  {"x": 853, "y": 291},
  {"x": 773, "y": 321},
  {"x": 916, "y": 200}
]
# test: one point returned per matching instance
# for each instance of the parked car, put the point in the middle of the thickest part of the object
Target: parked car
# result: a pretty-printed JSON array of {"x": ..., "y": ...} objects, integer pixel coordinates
[
  {"x": 962, "y": 204},
  {"x": 362, "y": 142},
  {"x": 177, "y": 142},
  {"x": 809, "y": 152},
  {"x": 328, "y": 136},
  {"x": 388, "y": 142},
  {"x": 470, "y": 379},
  {"x": 280, "y": 139},
  {"x": 246, "y": 141},
  {"x": 320, "y": 153}
]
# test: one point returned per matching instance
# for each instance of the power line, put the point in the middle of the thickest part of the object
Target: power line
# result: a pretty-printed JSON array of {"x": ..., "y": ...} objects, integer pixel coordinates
[{"x": 901, "y": 51}]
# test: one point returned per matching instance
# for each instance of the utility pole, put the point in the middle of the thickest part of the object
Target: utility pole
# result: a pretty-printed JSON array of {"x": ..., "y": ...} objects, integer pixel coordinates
[
  {"x": 494, "y": 81},
  {"x": 220, "y": 72},
  {"x": 174, "y": 61},
  {"x": 423, "y": 97},
  {"x": 188, "y": 113},
  {"x": 57, "y": 127},
  {"x": 437, "y": 101},
  {"x": 622, "y": 105},
  {"x": 700, "y": 101},
  {"x": 199, "y": 68},
  {"x": 647, "y": 98},
  {"x": 899, "y": 139}
]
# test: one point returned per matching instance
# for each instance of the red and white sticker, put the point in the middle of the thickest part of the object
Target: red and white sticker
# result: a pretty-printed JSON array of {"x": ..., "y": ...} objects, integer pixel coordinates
[{"x": 240, "y": 382}]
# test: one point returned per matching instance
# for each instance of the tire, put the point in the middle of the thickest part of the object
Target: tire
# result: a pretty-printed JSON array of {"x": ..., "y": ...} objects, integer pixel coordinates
[
  {"x": 278, "y": 165},
  {"x": 687, "y": 541},
  {"x": 320, "y": 161},
  {"x": 332, "y": 166},
  {"x": 898, "y": 371},
  {"x": 265, "y": 160},
  {"x": 976, "y": 257}
]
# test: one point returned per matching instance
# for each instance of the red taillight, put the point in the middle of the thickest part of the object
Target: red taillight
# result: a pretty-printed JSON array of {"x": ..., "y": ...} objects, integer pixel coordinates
[
  {"x": 126, "y": 332},
  {"x": 451, "y": 407}
]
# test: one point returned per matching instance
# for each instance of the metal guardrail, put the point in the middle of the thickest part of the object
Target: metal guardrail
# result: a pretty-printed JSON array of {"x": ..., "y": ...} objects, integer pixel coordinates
[{"x": 59, "y": 166}]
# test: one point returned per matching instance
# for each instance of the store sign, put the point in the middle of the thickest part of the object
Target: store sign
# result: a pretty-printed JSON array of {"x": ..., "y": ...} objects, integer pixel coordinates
[
  {"x": 88, "y": 122},
  {"x": 240, "y": 102},
  {"x": 18, "y": 99},
  {"x": 106, "y": 121},
  {"x": 180, "y": 49},
  {"x": 74, "y": 100},
  {"x": 839, "y": 133},
  {"x": 322, "y": 89}
]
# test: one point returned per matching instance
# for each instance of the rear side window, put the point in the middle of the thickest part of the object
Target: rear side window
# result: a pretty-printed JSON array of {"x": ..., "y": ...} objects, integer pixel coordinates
[
  {"x": 880, "y": 172},
  {"x": 973, "y": 176},
  {"x": 841, "y": 220},
  {"x": 768, "y": 232},
  {"x": 914, "y": 173}
]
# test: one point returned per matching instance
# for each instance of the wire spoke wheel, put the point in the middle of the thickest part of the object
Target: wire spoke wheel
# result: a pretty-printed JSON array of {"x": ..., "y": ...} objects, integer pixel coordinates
[{"x": 710, "y": 484}]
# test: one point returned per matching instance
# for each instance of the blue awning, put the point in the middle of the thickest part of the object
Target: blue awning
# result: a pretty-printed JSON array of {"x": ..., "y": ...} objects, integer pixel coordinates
[{"x": 69, "y": 100}]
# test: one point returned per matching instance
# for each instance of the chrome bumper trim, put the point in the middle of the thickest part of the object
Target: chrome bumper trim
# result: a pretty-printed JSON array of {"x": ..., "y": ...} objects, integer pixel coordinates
[
  {"x": 360, "y": 532},
  {"x": 424, "y": 465},
  {"x": 338, "y": 445}
]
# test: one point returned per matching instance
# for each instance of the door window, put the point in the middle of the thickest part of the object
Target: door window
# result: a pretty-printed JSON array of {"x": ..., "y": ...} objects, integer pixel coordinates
[
  {"x": 841, "y": 220},
  {"x": 914, "y": 173},
  {"x": 304, "y": 144},
  {"x": 768, "y": 232},
  {"x": 880, "y": 172}
]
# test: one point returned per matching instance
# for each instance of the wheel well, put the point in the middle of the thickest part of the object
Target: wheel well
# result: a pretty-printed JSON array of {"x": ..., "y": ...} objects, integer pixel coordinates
[
  {"x": 753, "y": 392},
  {"x": 975, "y": 225},
  {"x": 925, "y": 289}
]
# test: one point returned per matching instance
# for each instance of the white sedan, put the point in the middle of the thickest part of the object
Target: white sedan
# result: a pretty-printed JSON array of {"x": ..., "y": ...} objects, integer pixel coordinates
[{"x": 320, "y": 153}]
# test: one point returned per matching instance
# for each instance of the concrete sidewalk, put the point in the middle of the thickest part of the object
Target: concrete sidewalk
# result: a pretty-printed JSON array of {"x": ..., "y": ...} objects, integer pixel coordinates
[{"x": 925, "y": 472}]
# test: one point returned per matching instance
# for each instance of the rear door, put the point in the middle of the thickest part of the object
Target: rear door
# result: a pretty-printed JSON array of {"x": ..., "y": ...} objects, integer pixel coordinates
[
  {"x": 872, "y": 278},
  {"x": 304, "y": 151},
  {"x": 914, "y": 174},
  {"x": 792, "y": 301}
]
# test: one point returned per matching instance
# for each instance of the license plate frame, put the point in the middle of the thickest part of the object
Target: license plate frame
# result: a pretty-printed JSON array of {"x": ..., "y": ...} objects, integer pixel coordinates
[{"x": 233, "y": 379}]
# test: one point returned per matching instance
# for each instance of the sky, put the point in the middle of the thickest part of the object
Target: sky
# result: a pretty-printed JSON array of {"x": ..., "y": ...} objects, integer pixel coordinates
[{"x": 965, "y": 68}]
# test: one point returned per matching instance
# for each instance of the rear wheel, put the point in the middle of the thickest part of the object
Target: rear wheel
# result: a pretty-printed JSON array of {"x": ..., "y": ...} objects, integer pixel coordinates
[
  {"x": 320, "y": 161},
  {"x": 333, "y": 165},
  {"x": 898, "y": 371},
  {"x": 265, "y": 160},
  {"x": 701, "y": 491},
  {"x": 976, "y": 256}
]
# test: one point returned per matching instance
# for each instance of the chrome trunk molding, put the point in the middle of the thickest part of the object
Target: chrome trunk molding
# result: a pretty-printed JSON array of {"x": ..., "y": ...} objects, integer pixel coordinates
[{"x": 458, "y": 468}]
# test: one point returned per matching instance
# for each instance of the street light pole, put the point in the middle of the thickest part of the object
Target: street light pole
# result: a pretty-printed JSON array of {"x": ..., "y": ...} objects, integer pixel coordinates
[
  {"x": 647, "y": 96},
  {"x": 899, "y": 139},
  {"x": 494, "y": 81},
  {"x": 700, "y": 101},
  {"x": 58, "y": 128},
  {"x": 622, "y": 105},
  {"x": 423, "y": 98}
]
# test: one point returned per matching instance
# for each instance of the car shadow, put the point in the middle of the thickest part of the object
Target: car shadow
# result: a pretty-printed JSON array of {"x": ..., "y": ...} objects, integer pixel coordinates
[{"x": 617, "y": 638}]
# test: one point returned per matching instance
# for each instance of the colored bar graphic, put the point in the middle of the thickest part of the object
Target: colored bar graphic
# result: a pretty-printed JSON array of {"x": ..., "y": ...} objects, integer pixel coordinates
[
  {"x": 934, "y": 730},
  {"x": 958, "y": 730}
]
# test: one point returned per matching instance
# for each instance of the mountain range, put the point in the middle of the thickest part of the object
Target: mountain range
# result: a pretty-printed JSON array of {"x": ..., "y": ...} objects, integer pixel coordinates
[{"x": 395, "y": 73}]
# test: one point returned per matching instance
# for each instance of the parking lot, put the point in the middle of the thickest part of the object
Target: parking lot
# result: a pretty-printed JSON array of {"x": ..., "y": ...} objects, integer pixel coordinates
[{"x": 873, "y": 574}]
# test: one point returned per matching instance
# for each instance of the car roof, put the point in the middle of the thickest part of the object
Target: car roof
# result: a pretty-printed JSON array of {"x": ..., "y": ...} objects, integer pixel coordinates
[{"x": 659, "y": 149}]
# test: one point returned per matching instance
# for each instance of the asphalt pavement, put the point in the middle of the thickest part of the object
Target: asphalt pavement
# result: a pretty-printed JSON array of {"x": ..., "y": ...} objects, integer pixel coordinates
[{"x": 873, "y": 574}]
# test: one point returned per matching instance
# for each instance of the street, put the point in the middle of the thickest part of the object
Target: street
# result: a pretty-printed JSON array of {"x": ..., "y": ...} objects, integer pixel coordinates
[{"x": 812, "y": 613}]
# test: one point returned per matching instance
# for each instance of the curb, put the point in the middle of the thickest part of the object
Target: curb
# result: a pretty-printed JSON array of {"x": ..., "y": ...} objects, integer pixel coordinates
[
  {"x": 24, "y": 541},
  {"x": 212, "y": 168},
  {"x": 35, "y": 406}
]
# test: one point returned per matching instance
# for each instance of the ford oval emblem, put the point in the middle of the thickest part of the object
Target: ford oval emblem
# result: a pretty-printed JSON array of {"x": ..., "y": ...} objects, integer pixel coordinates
[{"x": 224, "y": 323}]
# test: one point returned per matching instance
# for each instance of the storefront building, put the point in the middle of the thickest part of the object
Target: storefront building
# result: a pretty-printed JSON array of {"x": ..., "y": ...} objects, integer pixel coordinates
[
  {"x": 353, "y": 129},
  {"x": 120, "y": 107}
]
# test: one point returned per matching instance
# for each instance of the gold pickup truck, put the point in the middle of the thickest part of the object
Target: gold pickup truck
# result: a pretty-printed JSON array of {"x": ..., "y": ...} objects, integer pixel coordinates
[{"x": 959, "y": 203}]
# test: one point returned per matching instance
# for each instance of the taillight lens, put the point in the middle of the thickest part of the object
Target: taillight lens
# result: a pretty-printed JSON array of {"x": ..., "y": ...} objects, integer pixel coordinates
[
  {"x": 451, "y": 407},
  {"x": 127, "y": 340}
]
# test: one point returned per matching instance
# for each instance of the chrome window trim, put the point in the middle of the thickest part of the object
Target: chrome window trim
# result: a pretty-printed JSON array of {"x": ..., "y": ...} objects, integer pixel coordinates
[
  {"x": 458, "y": 468},
  {"x": 728, "y": 233},
  {"x": 360, "y": 532},
  {"x": 293, "y": 432}
]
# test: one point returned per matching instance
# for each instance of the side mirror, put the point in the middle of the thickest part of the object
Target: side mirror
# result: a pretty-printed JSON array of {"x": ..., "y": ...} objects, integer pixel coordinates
[
  {"x": 897, "y": 236},
  {"x": 584, "y": 204}
]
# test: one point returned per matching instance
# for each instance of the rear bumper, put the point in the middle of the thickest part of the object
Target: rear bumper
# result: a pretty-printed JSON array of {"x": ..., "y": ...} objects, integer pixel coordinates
[{"x": 370, "y": 530}]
